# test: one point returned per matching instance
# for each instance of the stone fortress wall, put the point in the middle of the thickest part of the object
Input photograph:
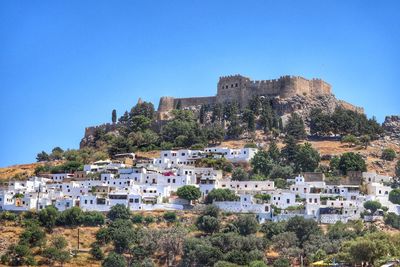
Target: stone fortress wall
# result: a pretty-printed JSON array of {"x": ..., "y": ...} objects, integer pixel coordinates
[{"x": 241, "y": 89}]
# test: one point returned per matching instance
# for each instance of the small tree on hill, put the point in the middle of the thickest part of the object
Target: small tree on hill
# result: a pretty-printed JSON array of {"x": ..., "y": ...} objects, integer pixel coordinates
[
  {"x": 114, "y": 116},
  {"x": 240, "y": 174},
  {"x": 295, "y": 127},
  {"x": 42, "y": 156},
  {"x": 351, "y": 162},
  {"x": 189, "y": 192},
  {"x": 114, "y": 260},
  {"x": 119, "y": 211},
  {"x": 394, "y": 196},
  {"x": 388, "y": 154}
]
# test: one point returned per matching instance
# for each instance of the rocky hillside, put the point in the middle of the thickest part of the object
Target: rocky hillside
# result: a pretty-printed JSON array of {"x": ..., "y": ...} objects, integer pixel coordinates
[{"x": 303, "y": 104}]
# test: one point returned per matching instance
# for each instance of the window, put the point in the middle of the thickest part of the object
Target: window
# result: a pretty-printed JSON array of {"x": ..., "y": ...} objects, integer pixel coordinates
[
  {"x": 85, "y": 201},
  {"x": 136, "y": 200},
  {"x": 287, "y": 201},
  {"x": 236, "y": 84},
  {"x": 91, "y": 201},
  {"x": 131, "y": 200}
]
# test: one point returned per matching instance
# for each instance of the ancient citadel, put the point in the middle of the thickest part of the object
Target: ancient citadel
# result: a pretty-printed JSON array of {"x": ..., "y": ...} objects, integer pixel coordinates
[
  {"x": 288, "y": 94},
  {"x": 241, "y": 89}
]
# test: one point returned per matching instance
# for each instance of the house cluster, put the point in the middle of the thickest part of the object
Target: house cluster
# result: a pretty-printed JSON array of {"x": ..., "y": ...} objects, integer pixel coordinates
[{"x": 152, "y": 185}]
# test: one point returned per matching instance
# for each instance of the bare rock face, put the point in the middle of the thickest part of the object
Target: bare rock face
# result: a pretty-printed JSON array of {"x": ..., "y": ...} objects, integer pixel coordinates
[
  {"x": 303, "y": 104},
  {"x": 392, "y": 126}
]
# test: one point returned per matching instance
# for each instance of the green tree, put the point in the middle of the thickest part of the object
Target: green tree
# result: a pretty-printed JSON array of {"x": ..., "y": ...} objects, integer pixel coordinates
[
  {"x": 239, "y": 174},
  {"x": 42, "y": 156},
  {"x": 273, "y": 151},
  {"x": 350, "y": 139},
  {"x": 320, "y": 123},
  {"x": 96, "y": 251},
  {"x": 289, "y": 151},
  {"x": 249, "y": 119},
  {"x": 246, "y": 224},
  {"x": 197, "y": 252},
  {"x": 189, "y": 192},
  {"x": 114, "y": 260},
  {"x": 295, "y": 127},
  {"x": 281, "y": 262},
  {"x": 372, "y": 205},
  {"x": 56, "y": 252},
  {"x": 350, "y": 161},
  {"x": 70, "y": 217},
  {"x": 143, "y": 108},
  {"x": 208, "y": 224},
  {"x": 271, "y": 229},
  {"x": 397, "y": 169},
  {"x": 388, "y": 154},
  {"x": 303, "y": 228},
  {"x": 119, "y": 211},
  {"x": 307, "y": 158},
  {"x": 48, "y": 217},
  {"x": 221, "y": 195},
  {"x": 262, "y": 163},
  {"x": 170, "y": 216},
  {"x": 365, "y": 140},
  {"x": 215, "y": 134},
  {"x": 20, "y": 254},
  {"x": 33, "y": 236},
  {"x": 57, "y": 153},
  {"x": 394, "y": 196},
  {"x": 114, "y": 116}
]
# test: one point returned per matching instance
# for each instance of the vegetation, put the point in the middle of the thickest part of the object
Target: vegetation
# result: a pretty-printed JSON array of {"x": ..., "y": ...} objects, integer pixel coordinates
[
  {"x": 388, "y": 154},
  {"x": 343, "y": 122},
  {"x": 189, "y": 192}
]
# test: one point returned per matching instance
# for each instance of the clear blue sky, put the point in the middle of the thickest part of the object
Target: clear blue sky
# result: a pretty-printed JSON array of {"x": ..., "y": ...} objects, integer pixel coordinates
[{"x": 65, "y": 65}]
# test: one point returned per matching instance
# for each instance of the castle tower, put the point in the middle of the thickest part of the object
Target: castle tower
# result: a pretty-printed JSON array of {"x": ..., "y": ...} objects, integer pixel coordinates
[{"x": 232, "y": 88}]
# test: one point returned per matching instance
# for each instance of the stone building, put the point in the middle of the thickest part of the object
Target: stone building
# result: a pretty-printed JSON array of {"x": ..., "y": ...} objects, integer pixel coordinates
[{"x": 241, "y": 89}]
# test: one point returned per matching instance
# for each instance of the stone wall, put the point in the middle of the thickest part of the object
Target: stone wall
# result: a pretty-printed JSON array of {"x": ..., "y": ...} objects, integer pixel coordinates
[{"x": 241, "y": 89}]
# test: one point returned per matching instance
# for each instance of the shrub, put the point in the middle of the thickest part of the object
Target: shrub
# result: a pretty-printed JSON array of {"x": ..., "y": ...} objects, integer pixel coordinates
[
  {"x": 170, "y": 216},
  {"x": 96, "y": 251},
  {"x": 137, "y": 218},
  {"x": 388, "y": 154}
]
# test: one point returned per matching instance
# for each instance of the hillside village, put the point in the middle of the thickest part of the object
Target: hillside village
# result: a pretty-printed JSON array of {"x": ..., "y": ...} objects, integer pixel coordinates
[
  {"x": 263, "y": 170},
  {"x": 153, "y": 185}
]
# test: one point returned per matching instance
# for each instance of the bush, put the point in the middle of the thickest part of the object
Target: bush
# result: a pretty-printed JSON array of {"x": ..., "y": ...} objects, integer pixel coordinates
[
  {"x": 92, "y": 218},
  {"x": 394, "y": 196},
  {"x": 96, "y": 251},
  {"x": 119, "y": 211},
  {"x": 8, "y": 216},
  {"x": 137, "y": 218},
  {"x": 282, "y": 262},
  {"x": 246, "y": 224},
  {"x": 114, "y": 260},
  {"x": 149, "y": 219},
  {"x": 221, "y": 195},
  {"x": 351, "y": 162},
  {"x": 388, "y": 154},
  {"x": 170, "y": 216},
  {"x": 393, "y": 220}
]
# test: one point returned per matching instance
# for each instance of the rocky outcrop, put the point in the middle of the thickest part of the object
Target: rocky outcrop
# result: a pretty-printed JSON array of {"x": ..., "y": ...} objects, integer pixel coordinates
[
  {"x": 303, "y": 104},
  {"x": 392, "y": 126}
]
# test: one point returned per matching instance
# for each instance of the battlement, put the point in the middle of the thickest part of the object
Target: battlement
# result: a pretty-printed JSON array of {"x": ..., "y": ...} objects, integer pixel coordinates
[
  {"x": 107, "y": 127},
  {"x": 241, "y": 89}
]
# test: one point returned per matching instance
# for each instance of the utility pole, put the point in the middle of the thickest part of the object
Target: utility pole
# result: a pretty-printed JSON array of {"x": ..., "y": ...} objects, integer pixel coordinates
[{"x": 78, "y": 240}]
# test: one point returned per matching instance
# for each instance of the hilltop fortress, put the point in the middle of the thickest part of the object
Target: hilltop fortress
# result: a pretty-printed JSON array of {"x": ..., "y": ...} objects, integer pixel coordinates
[
  {"x": 288, "y": 94},
  {"x": 241, "y": 89}
]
